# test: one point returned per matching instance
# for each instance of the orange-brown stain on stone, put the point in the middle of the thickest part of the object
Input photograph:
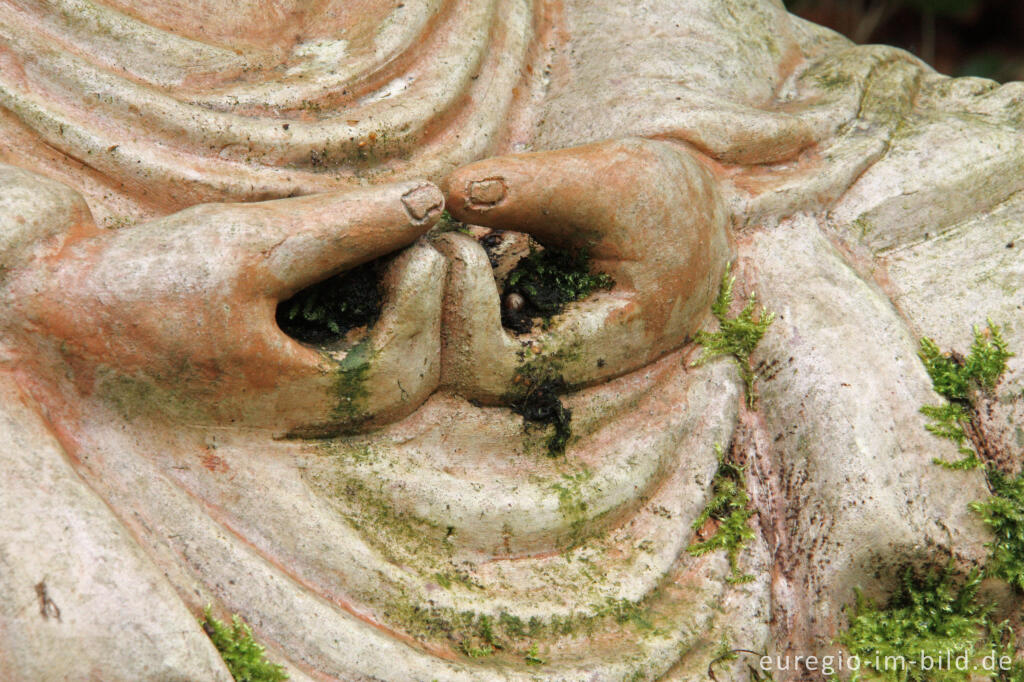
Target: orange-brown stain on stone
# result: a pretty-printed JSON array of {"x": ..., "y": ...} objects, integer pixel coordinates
[{"x": 214, "y": 463}]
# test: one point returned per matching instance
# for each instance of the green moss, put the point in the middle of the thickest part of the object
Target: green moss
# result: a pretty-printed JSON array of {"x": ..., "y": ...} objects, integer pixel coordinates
[
  {"x": 737, "y": 336},
  {"x": 948, "y": 422},
  {"x": 475, "y": 652},
  {"x": 118, "y": 222},
  {"x": 401, "y": 537},
  {"x": 350, "y": 382},
  {"x": 446, "y": 223},
  {"x": 482, "y": 640},
  {"x": 929, "y": 615},
  {"x": 729, "y": 506},
  {"x": 1002, "y": 641},
  {"x": 955, "y": 377},
  {"x": 532, "y": 656},
  {"x": 1003, "y": 513},
  {"x": 959, "y": 380},
  {"x": 132, "y": 396},
  {"x": 513, "y": 626},
  {"x": 374, "y": 147},
  {"x": 476, "y": 635},
  {"x": 549, "y": 279},
  {"x": 833, "y": 80},
  {"x": 325, "y": 312},
  {"x": 726, "y": 653},
  {"x": 536, "y": 397},
  {"x": 933, "y": 614},
  {"x": 244, "y": 657},
  {"x": 624, "y": 611},
  {"x": 571, "y": 502},
  {"x": 862, "y": 226}
]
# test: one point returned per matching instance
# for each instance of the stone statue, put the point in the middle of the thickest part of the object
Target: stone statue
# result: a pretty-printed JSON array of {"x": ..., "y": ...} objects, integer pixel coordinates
[{"x": 376, "y": 505}]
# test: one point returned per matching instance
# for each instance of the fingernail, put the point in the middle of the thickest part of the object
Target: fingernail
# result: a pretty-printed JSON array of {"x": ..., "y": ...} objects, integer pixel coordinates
[
  {"x": 420, "y": 202},
  {"x": 487, "y": 192}
]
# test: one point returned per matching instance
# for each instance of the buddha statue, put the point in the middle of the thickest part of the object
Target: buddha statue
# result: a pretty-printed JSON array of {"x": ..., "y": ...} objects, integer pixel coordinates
[{"x": 431, "y": 493}]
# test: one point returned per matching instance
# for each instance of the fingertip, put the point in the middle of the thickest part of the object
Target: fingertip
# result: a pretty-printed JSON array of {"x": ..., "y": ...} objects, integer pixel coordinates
[
  {"x": 485, "y": 193},
  {"x": 477, "y": 189},
  {"x": 423, "y": 203}
]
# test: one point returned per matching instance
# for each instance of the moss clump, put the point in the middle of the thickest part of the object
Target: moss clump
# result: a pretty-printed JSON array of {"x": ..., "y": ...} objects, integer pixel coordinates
[
  {"x": 729, "y": 506},
  {"x": 955, "y": 377},
  {"x": 1003, "y": 512},
  {"x": 541, "y": 405},
  {"x": 548, "y": 280},
  {"x": 959, "y": 380},
  {"x": 931, "y": 615},
  {"x": 928, "y": 616},
  {"x": 538, "y": 384},
  {"x": 1002, "y": 640},
  {"x": 948, "y": 421},
  {"x": 118, "y": 222},
  {"x": 244, "y": 657},
  {"x": 533, "y": 657},
  {"x": 737, "y": 336},
  {"x": 473, "y": 650},
  {"x": 325, "y": 312}
]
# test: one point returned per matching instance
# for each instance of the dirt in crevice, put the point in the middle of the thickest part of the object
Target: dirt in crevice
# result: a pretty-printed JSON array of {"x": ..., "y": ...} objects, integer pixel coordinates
[
  {"x": 543, "y": 283},
  {"x": 991, "y": 448},
  {"x": 325, "y": 312},
  {"x": 542, "y": 407}
]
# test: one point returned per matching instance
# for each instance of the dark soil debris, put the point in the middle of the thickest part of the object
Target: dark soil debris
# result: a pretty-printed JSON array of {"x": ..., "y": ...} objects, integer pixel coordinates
[
  {"x": 325, "y": 312},
  {"x": 541, "y": 406},
  {"x": 547, "y": 280}
]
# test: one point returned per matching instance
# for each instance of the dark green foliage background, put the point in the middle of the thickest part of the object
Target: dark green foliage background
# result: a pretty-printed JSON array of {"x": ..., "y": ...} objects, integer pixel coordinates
[{"x": 957, "y": 37}]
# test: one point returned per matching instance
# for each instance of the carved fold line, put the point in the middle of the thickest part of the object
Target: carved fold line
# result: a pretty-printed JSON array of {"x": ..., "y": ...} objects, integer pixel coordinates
[
  {"x": 436, "y": 85},
  {"x": 97, "y": 33}
]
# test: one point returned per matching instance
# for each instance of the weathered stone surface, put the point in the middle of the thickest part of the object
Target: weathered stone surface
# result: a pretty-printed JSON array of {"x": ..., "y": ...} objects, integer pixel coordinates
[
  {"x": 81, "y": 598},
  {"x": 854, "y": 469}
]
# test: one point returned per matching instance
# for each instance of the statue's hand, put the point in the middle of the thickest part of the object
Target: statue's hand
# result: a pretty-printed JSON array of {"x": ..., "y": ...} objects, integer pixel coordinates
[
  {"x": 646, "y": 212},
  {"x": 177, "y": 316}
]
